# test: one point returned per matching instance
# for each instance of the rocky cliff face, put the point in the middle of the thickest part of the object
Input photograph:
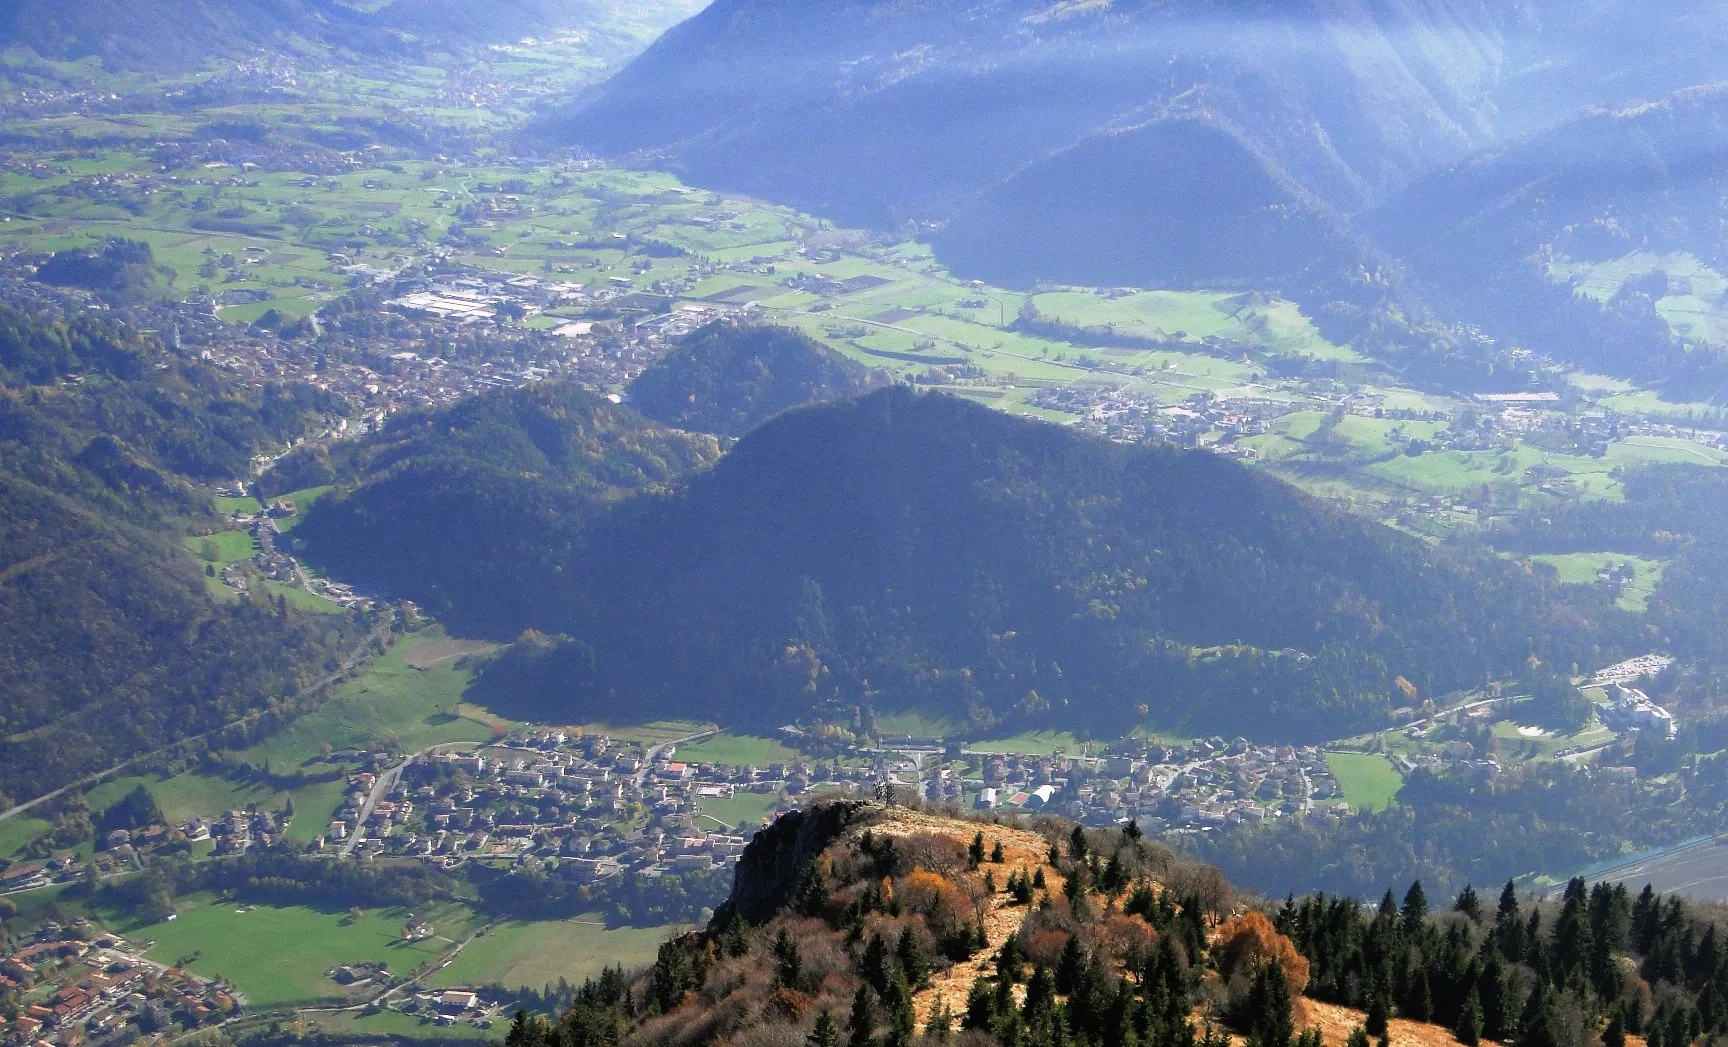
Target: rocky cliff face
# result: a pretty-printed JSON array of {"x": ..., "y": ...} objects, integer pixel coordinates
[{"x": 768, "y": 870}]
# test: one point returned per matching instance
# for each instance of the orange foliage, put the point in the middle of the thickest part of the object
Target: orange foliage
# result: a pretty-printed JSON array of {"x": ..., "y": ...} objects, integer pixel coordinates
[
  {"x": 1045, "y": 947},
  {"x": 1248, "y": 941},
  {"x": 937, "y": 897},
  {"x": 1128, "y": 937}
]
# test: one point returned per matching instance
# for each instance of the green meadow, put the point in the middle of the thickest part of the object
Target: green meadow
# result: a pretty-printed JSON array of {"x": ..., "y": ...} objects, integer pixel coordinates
[{"x": 1369, "y": 780}]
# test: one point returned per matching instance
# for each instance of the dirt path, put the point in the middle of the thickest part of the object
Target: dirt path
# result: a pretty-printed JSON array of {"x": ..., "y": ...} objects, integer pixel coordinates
[{"x": 1023, "y": 851}]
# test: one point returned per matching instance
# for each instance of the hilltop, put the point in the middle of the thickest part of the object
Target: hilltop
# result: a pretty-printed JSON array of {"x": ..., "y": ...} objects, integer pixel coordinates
[
  {"x": 858, "y": 923},
  {"x": 727, "y": 379},
  {"x": 921, "y": 551}
]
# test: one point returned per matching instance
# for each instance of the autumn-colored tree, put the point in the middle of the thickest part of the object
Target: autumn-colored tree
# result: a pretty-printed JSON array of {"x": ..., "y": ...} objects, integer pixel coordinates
[{"x": 1248, "y": 942}]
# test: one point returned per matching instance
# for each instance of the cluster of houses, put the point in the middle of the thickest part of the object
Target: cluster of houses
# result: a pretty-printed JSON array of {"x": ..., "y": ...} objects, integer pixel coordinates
[
  {"x": 1206, "y": 783},
  {"x": 546, "y": 795},
  {"x": 75, "y": 986}
]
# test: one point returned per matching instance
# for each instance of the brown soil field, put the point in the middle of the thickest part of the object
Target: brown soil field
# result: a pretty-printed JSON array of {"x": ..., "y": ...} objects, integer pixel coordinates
[{"x": 427, "y": 655}]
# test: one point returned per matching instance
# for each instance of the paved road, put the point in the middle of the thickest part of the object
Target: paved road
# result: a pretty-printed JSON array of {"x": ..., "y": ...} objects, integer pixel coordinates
[
  {"x": 387, "y": 780},
  {"x": 648, "y": 761}
]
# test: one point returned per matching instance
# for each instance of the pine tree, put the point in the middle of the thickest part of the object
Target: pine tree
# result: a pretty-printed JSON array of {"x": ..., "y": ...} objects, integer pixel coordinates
[
  {"x": 1469, "y": 904},
  {"x": 1615, "y": 1034},
  {"x": 1415, "y": 907},
  {"x": 980, "y": 1005},
  {"x": 788, "y": 964},
  {"x": 941, "y": 1024},
  {"x": 997, "y": 855},
  {"x": 975, "y": 852},
  {"x": 1377, "y": 1014},
  {"x": 863, "y": 1022},
  {"x": 1358, "y": 1038},
  {"x": 826, "y": 1033},
  {"x": 874, "y": 965},
  {"x": 1268, "y": 1020},
  {"x": 902, "y": 1022},
  {"x": 913, "y": 963},
  {"x": 1469, "y": 1027}
]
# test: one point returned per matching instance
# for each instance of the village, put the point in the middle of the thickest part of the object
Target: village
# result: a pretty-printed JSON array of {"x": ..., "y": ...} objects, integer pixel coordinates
[{"x": 74, "y": 985}]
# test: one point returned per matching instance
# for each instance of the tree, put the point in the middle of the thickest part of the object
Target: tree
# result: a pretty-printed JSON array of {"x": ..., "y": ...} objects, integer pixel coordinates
[
  {"x": 863, "y": 1021},
  {"x": 1377, "y": 1014},
  {"x": 1469, "y": 904},
  {"x": 1267, "y": 1016},
  {"x": 996, "y": 854},
  {"x": 825, "y": 1033},
  {"x": 913, "y": 963},
  {"x": 788, "y": 965},
  {"x": 1468, "y": 1029},
  {"x": 975, "y": 852}
]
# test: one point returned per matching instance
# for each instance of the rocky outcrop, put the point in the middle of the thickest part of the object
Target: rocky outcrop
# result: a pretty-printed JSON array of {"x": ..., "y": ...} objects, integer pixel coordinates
[{"x": 768, "y": 870}]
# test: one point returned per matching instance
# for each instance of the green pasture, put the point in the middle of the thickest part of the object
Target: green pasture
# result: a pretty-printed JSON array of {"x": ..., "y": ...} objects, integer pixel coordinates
[
  {"x": 230, "y": 506},
  {"x": 277, "y": 956},
  {"x": 1369, "y": 780},
  {"x": 649, "y": 734},
  {"x": 393, "y": 703},
  {"x": 1545, "y": 745},
  {"x": 520, "y": 955},
  {"x": 19, "y": 830},
  {"x": 1582, "y": 568},
  {"x": 746, "y": 809},
  {"x": 389, "y": 1026},
  {"x": 736, "y": 750},
  {"x": 1030, "y": 743}
]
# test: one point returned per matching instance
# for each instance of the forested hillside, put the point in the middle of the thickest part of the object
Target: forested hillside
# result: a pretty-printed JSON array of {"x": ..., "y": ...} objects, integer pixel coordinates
[
  {"x": 905, "y": 550},
  {"x": 858, "y": 924},
  {"x": 727, "y": 379},
  {"x": 110, "y": 643},
  {"x": 473, "y": 510},
  {"x": 1641, "y": 178}
]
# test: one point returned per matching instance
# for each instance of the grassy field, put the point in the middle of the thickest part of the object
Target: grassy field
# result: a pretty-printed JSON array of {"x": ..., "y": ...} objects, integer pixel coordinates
[
  {"x": 395, "y": 1027},
  {"x": 1368, "y": 779},
  {"x": 736, "y": 749},
  {"x": 648, "y": 733},
  {"x": 530, "y": 955},
  {"x": 278, "y": 956},
  {"x": 742, "y": 809},
  {"x": 17, "y": 831},
  {"x": 393, "y": 703},
  {"x": 1520, "y": 739},
  {"x": 1030, "y": 743},
  {"x": 1581, "y": 569},
  {"x": 915, "y": 723},
  {"x": 193, "y": 795}
]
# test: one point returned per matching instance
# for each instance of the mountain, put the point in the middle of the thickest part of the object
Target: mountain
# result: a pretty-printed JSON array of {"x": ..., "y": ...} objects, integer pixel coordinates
[
  {"x": 726, "y": 379},
  {"x": 184, "y": 34},
  {"x": 471, "y": 509},
  {"x": 876, "y": 113},
  {"x": 923, "y": 551},
  {"x": 110, "y": 642},
  {"x": 1500, "y": 235},
  {"x": 858, "y": 923}
]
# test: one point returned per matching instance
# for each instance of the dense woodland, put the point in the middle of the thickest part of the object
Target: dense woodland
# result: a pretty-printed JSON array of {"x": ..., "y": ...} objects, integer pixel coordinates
[
  {"x": 110, "y": 642},
  {"x": 473, "y": 510},
  {"x": 924, "y": 551},
  {"x": 727, "y": 379},
  {"x": 1121, "y": 944}
]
